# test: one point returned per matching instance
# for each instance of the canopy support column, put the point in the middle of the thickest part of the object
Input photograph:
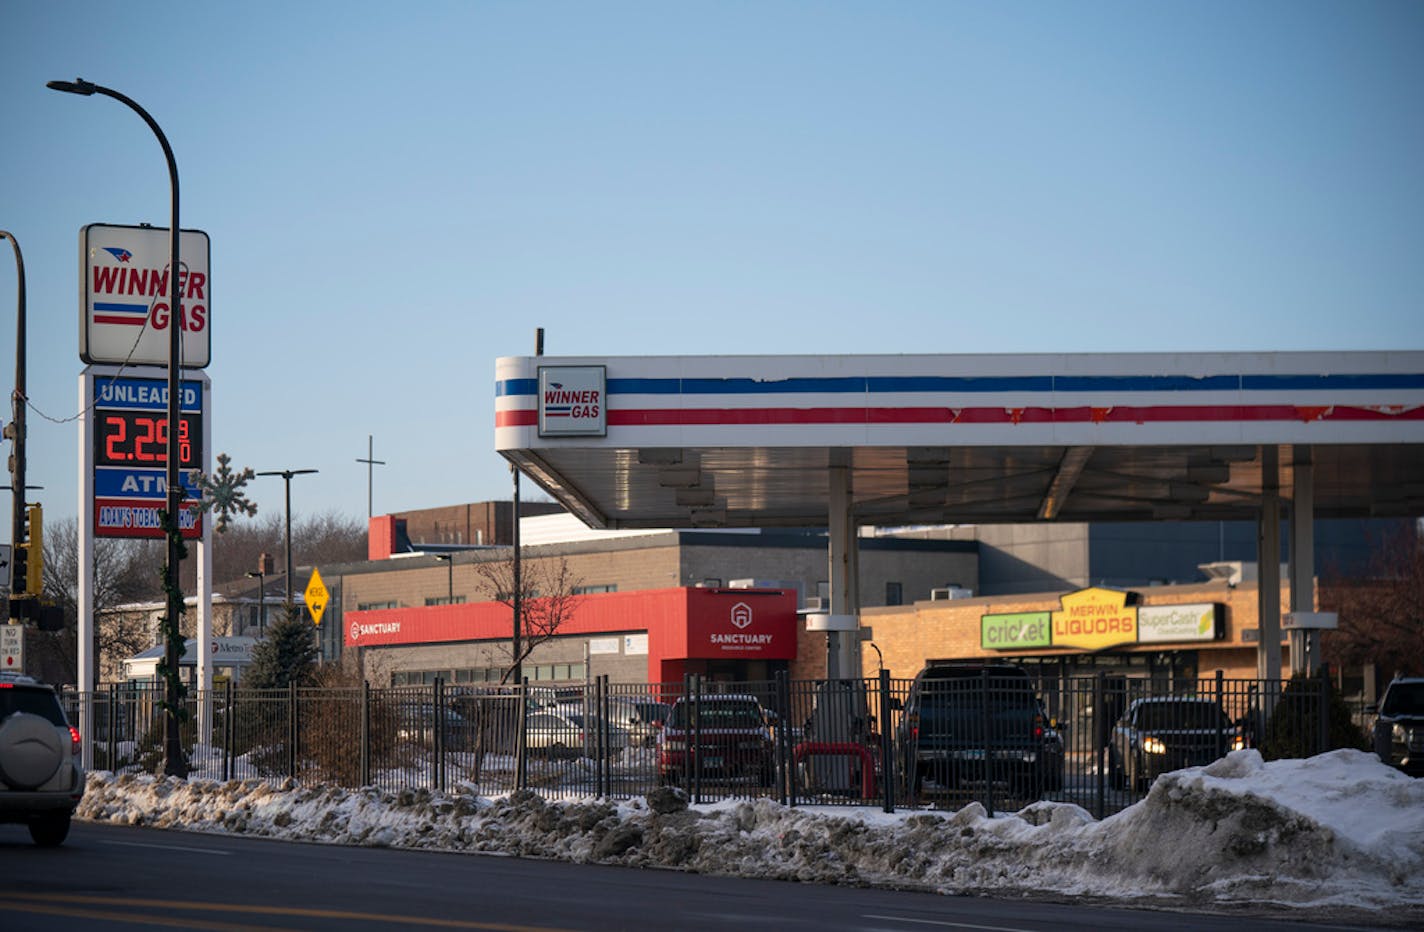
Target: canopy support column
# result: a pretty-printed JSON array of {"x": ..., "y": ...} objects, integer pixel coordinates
[
  {"x": 842, "y": 647},
  {"x": 1304, "y": 642},
  {"x": 1268, "y": 560}
]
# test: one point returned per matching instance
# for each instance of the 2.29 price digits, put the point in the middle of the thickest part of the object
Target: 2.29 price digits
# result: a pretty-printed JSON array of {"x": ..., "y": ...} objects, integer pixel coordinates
[{"x": 133, "y": 438}]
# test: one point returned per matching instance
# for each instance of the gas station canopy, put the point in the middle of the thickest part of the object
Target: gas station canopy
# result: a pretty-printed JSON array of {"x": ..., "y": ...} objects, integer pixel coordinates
[{"x": 758, "y": 441}]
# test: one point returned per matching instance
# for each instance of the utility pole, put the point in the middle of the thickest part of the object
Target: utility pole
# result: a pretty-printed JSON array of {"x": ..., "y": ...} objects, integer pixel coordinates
[
  {"x": 371, "y": 464},
  {"x": 15, "y": 432}
]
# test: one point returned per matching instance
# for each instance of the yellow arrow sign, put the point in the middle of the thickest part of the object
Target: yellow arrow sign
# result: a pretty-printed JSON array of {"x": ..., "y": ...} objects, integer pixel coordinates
[{"x": 316, "y": 596}]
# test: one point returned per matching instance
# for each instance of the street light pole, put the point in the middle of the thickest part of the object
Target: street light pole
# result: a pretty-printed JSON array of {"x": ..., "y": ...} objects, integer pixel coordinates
[
  {"x": 174, "y": 762},
  {"x": 261, "y": 601},
  {"x": 287, "y": 475},
  {"x": 16, "y": 429}
]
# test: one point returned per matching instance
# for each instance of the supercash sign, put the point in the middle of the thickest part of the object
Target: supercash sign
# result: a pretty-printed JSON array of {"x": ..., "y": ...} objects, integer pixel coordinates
[{"x": 126, "y": 293}]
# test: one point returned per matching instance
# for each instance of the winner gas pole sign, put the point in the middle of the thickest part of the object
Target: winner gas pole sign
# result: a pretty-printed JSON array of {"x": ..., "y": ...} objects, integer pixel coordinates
[{"x": 126, "y": 292}]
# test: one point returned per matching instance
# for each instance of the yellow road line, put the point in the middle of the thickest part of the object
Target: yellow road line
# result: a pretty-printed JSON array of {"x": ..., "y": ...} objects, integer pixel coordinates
[{"x": 46, "y": 902}]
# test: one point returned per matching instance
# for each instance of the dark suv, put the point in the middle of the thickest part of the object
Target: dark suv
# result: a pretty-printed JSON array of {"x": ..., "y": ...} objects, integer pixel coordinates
[
  {"x": 41, "y": 780},
  {"x": 1167, "y": 733},
  {"x": 974, "y": 722},
  {"x": 1399, "y": 726},
  {"x": 723, "y": 738}
]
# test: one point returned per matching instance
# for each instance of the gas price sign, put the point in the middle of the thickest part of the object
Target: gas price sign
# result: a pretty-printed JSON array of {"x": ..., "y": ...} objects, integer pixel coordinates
[{"x": 130, "y": 458}]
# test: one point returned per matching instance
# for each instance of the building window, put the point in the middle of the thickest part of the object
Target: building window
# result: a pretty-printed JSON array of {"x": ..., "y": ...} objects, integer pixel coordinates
[
  {"x": 593, "y": 590},
  {"x": 445, "y": 600},
  {"x": 894, "y": 594},
  {"x": 375, "y": 606}
]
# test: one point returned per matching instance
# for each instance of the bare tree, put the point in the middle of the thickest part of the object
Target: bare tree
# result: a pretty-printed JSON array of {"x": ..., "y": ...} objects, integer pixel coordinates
[
  {"x": 547, "y": 600},
  {"x": 323, "y": 538},
  {"x": 123, "y": 571},
  {"x": 1382, "y": 616}
]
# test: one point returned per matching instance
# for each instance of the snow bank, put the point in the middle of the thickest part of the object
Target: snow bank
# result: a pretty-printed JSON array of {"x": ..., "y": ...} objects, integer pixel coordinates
[{"x": 1338, "y": 830}]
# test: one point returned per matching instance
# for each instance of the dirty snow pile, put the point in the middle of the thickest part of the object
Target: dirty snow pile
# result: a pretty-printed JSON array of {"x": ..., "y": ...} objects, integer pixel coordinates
[{"x": 1337, "y": 830}]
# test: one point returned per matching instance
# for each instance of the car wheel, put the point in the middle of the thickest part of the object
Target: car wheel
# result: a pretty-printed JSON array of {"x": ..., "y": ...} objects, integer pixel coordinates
[
  {"x": 1028, "y": 788},
  {"x": 1116, "y": 778},
  {"x": 50, "y": 830}
]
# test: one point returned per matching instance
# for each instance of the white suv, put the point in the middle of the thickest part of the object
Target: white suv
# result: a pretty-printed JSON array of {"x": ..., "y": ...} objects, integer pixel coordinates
[{"x": 41, "y": 780}]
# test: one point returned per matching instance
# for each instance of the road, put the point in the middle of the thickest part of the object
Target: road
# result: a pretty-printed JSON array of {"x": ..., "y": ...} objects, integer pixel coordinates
[{"x": 121, "y": 878}]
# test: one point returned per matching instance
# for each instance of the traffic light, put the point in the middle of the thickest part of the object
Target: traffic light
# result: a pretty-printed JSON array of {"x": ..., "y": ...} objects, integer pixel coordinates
[
  {"x": 34, "y": 560},
  {"x": 27, "y": 577}
]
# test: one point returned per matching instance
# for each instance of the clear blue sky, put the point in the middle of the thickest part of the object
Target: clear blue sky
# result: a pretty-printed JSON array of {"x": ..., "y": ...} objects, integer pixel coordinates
[{"x": 397, "y": 194}]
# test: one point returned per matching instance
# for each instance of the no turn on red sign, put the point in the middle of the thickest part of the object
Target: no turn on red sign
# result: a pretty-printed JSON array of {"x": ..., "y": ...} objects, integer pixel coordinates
[{"x": 12, "y": 648}]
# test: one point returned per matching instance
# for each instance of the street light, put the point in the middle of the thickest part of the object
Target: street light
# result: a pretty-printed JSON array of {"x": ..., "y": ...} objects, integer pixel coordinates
[
  {"x": 174, "y": 762},
  {"x": 287, "y": 475},
  {"x": 15, "y": 431},
  {"x": 449, "y": 560},
  {"x": 261, "y": 601}
]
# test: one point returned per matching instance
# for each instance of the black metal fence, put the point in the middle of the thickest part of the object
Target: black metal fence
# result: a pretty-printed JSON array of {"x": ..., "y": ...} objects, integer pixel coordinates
[{"x": 1005, "y": 742}]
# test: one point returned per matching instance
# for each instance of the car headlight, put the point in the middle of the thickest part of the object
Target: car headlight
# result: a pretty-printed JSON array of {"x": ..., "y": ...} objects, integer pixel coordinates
[
  {"x": 1401, "y": 734},
  {"x": 1153, "y": 746},
  {"x": 1237, "y": 743}
]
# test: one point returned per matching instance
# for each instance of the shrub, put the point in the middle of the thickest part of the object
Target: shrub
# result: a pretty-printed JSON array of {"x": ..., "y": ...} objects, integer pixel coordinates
[{"x": 1294, "y": 726}]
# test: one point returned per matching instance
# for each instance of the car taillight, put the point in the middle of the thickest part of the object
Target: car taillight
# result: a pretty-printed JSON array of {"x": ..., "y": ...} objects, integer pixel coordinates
[{"x": 73, "y": 740}]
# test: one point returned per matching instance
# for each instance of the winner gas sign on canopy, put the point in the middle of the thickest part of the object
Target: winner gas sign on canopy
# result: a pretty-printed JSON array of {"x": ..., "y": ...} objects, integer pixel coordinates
[{"x": 124, "y": 312}]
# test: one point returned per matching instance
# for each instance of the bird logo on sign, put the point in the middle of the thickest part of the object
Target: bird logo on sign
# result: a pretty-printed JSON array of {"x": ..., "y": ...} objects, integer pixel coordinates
[{"x": 118, "y": 252}]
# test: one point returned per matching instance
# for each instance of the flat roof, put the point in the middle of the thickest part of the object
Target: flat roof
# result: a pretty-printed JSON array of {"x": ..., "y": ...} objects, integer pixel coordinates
[{"x": 750, "y": 441}]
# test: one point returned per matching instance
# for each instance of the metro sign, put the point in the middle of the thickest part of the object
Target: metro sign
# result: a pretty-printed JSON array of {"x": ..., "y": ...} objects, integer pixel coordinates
[{"x": 125, "y": 292}]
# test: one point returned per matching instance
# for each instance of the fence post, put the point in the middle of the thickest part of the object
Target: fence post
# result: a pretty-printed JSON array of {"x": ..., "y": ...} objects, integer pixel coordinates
[
  {"x": 887, "y": 743},
  {"x": 227, "y": 731},
  {"x": 439, "y": 741},
  {"x": 984, "y": 722},
  {"x": 521, "y": 737},
  {"x": 599, "y": 721},
  {"x": 694, "y": 750},
  {"x": 365, "y": 733},
  {"x": 1220, "y": 731},
  {"x": 786, "y": 766},
  {"x": 110, "y": 758},
  {"x": 685, "y": 777},
  {"x": 1100, "y": 745},
  {"x": 292, "y": 730},
  {"x": 1323, "y": 733}
]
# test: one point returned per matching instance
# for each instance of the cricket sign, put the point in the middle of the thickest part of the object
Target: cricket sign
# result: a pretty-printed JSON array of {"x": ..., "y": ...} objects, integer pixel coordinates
[
  {"x": 573, "y": 401},
  {"x": 125, "y": 292}
]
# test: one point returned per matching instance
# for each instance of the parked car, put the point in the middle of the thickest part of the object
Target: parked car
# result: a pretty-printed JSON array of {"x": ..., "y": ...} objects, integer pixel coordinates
[
  {"x": 722, "y": 738},
  {"x": 568, "y": 733},
  {"x": 968, "y": 723},
  {"x": 652, "y": 715},
  {"x": 41, "y": 780},
  {"x": 417, "y": 725},
  {"x": 1162, "y": 734},
  {"x": 641, "y": 718},
  {"x": 1399, "y": 725}
]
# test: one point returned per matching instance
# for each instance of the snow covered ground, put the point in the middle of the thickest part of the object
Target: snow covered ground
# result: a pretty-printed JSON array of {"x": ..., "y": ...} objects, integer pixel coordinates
[{"x": 1340, "y": 830}]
